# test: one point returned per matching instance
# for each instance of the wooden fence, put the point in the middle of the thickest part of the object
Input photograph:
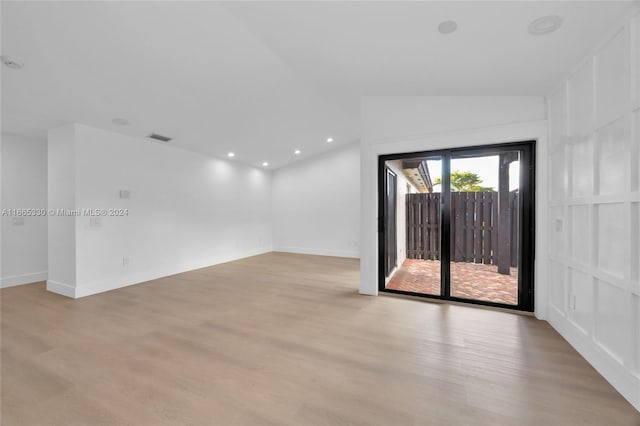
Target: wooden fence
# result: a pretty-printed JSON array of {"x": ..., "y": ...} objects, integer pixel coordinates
[
  {"x": 474, "y": 227},
  {"x": 423, "y": 226}
]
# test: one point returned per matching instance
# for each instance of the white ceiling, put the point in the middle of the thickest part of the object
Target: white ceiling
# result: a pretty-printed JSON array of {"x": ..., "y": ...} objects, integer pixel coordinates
[{"x": 264, "y": 78}]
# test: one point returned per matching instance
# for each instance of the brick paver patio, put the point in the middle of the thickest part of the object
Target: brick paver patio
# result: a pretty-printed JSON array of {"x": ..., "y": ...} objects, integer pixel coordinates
[{"x": 468, "y": 280}]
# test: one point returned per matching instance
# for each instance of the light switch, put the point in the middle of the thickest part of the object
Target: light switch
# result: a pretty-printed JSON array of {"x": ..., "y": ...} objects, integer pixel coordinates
[
  {"x": 95, "y": 222},
  {"x": 125, "y": 194},
  {"x": 17, "y": 221}
]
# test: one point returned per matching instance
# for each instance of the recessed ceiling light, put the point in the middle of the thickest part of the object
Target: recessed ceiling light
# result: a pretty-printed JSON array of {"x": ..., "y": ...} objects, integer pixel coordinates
[
  {"x": 120, "y": 121},
  {"x": 545, "y": 25},
  {"x": 297, "y": 152},
  {"x": 10, "y": 62},
  {"x": 265, "y": 164},
  {"x": 447, "y": 27},
  {"x": 329, "y": 140},
  {"x": 231, "y": 155}
]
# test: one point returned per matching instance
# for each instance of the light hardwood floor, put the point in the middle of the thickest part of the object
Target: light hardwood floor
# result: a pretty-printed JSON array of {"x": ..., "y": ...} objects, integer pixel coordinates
[{"x": 286, "y": 339}]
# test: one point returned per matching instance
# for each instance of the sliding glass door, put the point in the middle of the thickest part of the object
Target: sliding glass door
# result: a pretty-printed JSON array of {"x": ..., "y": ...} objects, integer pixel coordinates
[{"x": 463, "y": 224}]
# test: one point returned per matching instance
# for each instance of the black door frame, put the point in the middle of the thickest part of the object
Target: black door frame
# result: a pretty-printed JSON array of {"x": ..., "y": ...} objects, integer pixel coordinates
[{"x": 526, "y": 238}]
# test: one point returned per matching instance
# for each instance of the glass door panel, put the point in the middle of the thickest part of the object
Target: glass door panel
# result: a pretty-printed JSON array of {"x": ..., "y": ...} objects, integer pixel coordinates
[
  {"x": 485, "y": 211},
  {"x": 418, "y": 226}
]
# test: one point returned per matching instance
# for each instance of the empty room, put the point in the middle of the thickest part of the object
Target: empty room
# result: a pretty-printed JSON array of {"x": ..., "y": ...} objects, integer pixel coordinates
[{"x": 320, "y": 213}]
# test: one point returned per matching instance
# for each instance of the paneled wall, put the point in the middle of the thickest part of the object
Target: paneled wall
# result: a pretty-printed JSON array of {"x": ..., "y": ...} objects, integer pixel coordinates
[{"x": 594, "y": 204}]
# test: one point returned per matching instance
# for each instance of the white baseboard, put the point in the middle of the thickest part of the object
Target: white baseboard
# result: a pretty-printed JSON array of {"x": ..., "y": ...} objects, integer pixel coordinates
[
  {"x": 319, "y": 252},
  {"x": 61, "y": 288},
  {"x": 621, "y": 378},
  {"x": 95, "y": 287},
  {"x": 14, "y": 280}
]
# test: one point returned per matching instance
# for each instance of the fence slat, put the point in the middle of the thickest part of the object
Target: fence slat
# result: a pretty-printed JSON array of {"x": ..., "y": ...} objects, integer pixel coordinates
[
  {"x": 425, "y": 227},
  {"x": 416, "y": 218},
  {"x": 470, "y": 223},
  {"x": 486, "y": 228},
  {"x": 477, "y": 242},
  {"x": 494, "y": 227}
]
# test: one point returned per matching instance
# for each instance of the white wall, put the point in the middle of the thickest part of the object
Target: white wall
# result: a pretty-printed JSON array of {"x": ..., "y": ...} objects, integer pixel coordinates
[
  {"x": 185, "y": 211},
  {"x": 594, "y": 205},
  {"x": 387, "y": 118},
  {"x": 61, "y": 183},
  {"x": 401, "y": 209},
  {"x": 316, "y": 204},
  {"x": 447, "y": 122},
  {"x": 24, "y": 186}
]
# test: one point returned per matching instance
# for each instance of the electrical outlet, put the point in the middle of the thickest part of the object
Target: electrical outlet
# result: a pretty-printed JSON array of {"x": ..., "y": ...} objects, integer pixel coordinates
[
  {"x": 125, "y": 261},
  {"x": 95, "y": 222},
  {"x": 17, "y": 221}
]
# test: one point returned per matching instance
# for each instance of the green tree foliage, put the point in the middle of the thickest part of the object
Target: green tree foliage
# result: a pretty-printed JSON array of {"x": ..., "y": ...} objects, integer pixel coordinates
[{"x": 465, "y": 182}]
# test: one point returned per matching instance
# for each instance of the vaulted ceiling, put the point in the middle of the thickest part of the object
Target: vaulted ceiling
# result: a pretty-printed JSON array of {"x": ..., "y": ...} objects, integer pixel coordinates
[{"x": 263, "y": 79}]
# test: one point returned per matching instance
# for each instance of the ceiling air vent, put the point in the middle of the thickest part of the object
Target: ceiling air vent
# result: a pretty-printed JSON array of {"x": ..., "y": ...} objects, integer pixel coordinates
[{"x": 158, "y": 137}]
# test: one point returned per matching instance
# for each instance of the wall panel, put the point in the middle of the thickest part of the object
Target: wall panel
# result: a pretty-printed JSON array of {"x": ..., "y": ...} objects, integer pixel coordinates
[
  {"x": 558, "y": 292},
  {"x": 612, "y": 156},
  {"x": 611, "y": 319},
  {"x": 612, "y": 247},
  {"x": 558, "y": 179},
  {"x": 557, "y": 232},
  {"x": 581, "y": 158},
  {"x": 580, "y": 233},
  {"x": 581, "y": 300}
]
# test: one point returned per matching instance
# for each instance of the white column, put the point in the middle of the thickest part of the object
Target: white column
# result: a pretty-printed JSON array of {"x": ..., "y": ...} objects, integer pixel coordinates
[{"x": 62, "y": 199}]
